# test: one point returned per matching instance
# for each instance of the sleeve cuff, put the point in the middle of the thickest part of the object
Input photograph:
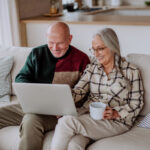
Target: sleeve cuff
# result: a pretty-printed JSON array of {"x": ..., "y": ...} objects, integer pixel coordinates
[{"x": 122, "y": 112}]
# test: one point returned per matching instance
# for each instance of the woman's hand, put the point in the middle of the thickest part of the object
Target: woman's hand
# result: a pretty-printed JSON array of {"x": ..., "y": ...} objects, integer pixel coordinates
[{"x": 110, "y": 113}]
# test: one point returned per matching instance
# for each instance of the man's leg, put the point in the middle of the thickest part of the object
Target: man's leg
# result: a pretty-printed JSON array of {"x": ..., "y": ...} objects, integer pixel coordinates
[
  {"x": 32, "y": 130},
  {"x": 10, "y": 115}
]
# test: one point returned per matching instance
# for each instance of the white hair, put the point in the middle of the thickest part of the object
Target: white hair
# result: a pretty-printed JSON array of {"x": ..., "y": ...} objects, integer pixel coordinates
[{"x": 110, "y": 39}]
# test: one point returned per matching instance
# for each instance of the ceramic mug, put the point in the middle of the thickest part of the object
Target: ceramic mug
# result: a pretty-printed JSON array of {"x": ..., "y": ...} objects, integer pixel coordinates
[{"x": 97, "y": 109}]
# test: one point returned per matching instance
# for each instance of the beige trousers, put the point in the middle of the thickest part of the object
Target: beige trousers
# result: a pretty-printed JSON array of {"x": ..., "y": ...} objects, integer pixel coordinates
[
  {"x": 10, "y": 115},
  {"x": 85, "y": 127},
  {"x": 32, "y": 129}
]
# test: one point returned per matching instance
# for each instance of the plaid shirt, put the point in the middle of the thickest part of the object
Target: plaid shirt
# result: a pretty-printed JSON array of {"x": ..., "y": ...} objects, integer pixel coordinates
[{"x": 121, "y": 89}]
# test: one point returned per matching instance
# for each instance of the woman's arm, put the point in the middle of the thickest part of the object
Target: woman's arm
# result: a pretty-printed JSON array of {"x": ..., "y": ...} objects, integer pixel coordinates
[
  {"x": 82, "y": 87},
  {"x": 110, "y": 113},
  {"x": 135, "y": 101}
]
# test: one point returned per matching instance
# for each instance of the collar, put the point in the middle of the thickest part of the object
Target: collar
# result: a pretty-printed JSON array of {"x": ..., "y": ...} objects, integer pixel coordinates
[
  {"x": 117, "y": 63},
  {"x": 65, "y": 55}
]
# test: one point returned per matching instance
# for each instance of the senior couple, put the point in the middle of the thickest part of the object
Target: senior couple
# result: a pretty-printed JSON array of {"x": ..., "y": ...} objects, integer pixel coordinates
[{"x": 109, "y": 78}]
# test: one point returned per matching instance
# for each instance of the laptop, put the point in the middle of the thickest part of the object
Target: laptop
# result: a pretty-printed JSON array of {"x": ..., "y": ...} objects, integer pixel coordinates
[{"x": 47, "y": 99}]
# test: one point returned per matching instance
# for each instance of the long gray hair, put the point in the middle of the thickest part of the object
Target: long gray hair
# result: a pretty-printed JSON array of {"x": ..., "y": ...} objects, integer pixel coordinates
[{"x": 110, "y": 39}]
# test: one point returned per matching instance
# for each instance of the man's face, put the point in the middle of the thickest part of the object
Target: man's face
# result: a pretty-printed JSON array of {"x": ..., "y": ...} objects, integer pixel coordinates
[{"x": 58, "y": 43}]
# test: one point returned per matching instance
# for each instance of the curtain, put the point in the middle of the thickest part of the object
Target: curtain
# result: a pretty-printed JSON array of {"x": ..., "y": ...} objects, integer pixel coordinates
[
  {"x": 9, "y": 24},
  {"x": 0, "y": 36}
]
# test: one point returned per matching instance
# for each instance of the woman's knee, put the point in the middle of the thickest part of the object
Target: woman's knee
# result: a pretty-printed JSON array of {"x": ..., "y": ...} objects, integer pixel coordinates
[
  {"x": 78, "y": 142},
  {"x": 66, "y": 120}
]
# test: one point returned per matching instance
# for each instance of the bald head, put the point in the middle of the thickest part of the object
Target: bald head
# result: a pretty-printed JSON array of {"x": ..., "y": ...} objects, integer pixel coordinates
[
  {"x": 59, "y": 38},
  {"x": 59, "y": 27}
]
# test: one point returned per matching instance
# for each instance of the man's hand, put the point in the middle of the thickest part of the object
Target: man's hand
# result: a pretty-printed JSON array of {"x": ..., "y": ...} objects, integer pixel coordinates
[{"x": 110, "y": 113}]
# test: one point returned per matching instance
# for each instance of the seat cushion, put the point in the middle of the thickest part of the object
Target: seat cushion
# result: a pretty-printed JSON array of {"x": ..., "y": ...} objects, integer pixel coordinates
[
  {"x": 136, "y": 139},
  {"x": 9, "y": 138},
  {"x": 145, "y": 123}
]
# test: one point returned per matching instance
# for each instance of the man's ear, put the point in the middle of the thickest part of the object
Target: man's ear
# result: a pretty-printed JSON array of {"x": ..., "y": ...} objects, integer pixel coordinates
[{"x": 70, "y": 38}]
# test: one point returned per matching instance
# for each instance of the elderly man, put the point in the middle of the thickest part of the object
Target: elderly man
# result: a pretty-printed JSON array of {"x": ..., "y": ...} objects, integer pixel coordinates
[{"x": 55, "y": 62}]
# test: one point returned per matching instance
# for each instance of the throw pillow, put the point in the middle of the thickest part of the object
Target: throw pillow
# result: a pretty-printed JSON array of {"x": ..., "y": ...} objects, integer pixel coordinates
[
  {"x": 5, "y": 79},
  {"x": 145, "y": 123}
]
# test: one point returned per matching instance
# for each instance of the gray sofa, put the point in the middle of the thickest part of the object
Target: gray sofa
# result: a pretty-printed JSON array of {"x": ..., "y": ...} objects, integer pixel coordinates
[{"x": 136, "y": 139}]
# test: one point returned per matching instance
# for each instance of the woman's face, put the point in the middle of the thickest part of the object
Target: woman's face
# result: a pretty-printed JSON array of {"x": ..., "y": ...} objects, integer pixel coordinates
[{"x": 103, "y": 54}]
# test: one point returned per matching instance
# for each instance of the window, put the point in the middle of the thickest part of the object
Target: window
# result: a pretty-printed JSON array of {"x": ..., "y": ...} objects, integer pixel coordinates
[{"x": 9, "y": 31}]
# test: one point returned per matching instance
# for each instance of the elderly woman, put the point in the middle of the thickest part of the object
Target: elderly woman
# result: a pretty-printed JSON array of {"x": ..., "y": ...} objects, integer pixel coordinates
[{"x": 109, "y": 79}]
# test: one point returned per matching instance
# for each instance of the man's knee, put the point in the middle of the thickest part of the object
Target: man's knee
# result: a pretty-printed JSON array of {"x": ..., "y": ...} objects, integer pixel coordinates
[
  {"x": 31, "y": 132},
  {"x": 30, "y": 123}
]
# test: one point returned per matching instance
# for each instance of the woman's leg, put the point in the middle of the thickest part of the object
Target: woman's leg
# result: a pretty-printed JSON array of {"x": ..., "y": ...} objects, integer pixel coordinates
[
  {"x": 70, "y": 126},
  {"x": 78, "y": 142}
]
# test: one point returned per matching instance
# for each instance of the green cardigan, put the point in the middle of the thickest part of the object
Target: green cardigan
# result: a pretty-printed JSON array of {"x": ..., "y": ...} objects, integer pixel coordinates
[{"x": 42, "y": 67}]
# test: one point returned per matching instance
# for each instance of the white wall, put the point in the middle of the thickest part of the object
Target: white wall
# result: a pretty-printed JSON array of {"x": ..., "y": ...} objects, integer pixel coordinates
[
  {"x": 133, "y": 39},
  {"x": 134, "y": 2},
  {"x": 128, "y": 2}
]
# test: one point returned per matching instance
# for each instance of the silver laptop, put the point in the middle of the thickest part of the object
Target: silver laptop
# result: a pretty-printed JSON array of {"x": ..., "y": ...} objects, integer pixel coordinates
[{"x": 48, "y": 99}]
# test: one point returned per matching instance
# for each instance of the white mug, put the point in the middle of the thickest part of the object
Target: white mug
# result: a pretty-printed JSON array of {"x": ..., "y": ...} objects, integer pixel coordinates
[{"x": 97, "y": 109}]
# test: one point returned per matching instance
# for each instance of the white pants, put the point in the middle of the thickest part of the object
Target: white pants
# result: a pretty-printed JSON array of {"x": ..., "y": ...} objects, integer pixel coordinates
[{"x": 85, "y": 127}]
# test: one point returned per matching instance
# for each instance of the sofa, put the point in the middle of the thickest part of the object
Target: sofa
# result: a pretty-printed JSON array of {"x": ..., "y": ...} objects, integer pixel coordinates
[{"x": 135, "y": 139}]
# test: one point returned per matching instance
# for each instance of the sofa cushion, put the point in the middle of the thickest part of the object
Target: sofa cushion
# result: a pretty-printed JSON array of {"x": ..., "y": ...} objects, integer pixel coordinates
[
  {"x": 9, "y": 138},
  {"x": 13, "y": 100},
  {"x": 145, "y": 123},
  {"x": 5, "y": 79},
  {"x": 136, "y": 139},
  {"x": 142, "y": 62},
  {"x": 19, "y": 54}
]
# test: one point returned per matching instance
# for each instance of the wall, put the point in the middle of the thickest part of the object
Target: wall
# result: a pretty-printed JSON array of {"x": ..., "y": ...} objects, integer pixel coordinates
[
  {"x": 31, "y": 8},
  {"x": 129, "y": 2},
  {"x": 134, "y": 2},
  {"x": 133, "y": 39}
]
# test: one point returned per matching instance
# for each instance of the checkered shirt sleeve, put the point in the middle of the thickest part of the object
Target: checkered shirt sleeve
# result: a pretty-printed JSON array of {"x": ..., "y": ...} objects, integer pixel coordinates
[
  {"x": 82, "y": 87},
  {"x": 122, "y": 89},
  {"x": 134, "y": 103}
]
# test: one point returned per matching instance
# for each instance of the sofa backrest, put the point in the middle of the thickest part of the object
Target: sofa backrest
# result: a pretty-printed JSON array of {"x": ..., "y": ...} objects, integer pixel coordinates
[
  {"x": 140, "y": 60},
  {"x": 143, "y": 63},
  {"x": 19, "y": 54}
]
